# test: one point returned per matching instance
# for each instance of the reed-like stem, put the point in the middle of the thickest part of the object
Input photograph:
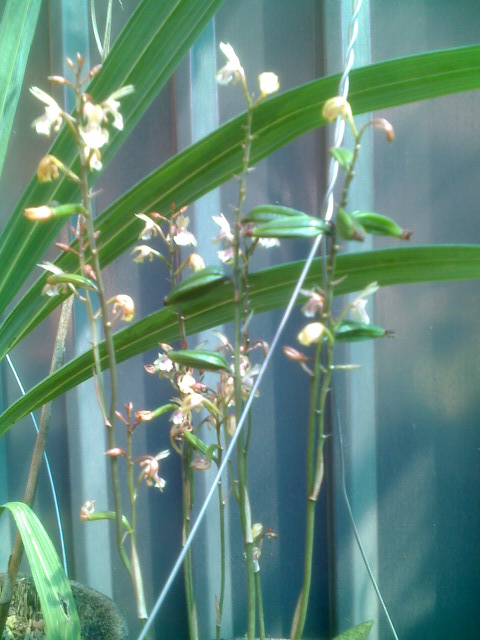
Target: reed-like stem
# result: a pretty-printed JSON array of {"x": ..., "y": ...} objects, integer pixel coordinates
[
  {"x": 320, "y": 387},
  {"x": 187, "y": 471},
  {"x": 239, "y": 290},
  {"x": 258, "y": 593},
  {"x": 315, "y": 471},
  {"x": 187, "y": 483},
  {"x": 107, "y": 411},
  {"x": 221, "y": 514}
]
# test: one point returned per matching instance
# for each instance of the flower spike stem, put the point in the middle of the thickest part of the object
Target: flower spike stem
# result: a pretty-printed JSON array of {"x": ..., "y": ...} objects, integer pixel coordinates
[
  {"x": 320, "y": 386},
  {"x": 89, "y": 129},
  {"x": 239, "y": 292},
  {"x": 108, "y": 409},
  {"x": 188, "y": 477},
  {"x": 221, "y": 506}
]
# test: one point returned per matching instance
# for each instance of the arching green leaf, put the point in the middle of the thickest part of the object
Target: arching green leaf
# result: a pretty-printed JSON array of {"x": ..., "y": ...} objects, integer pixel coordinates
[
  {"x": 17, "y": 29},
  {"x": 269, "y": 290},
  {"x": 214, "y": 160}
]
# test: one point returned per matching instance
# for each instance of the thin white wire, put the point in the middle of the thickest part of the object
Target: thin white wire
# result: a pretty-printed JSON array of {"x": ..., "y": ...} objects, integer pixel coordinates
[
  {"x": 343, "y": 87},
  {"x": 327, "y": 211},
  {"x": 49, "y": 471},
  {"x": 343, "y": 484}
]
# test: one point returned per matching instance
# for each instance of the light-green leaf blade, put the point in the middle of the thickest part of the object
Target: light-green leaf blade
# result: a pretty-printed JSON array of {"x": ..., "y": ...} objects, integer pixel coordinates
[
  {"x": 217, "y": 158},
  {"x": 359, "y": 632},
  {"x": 53, "y": 587},
  {"x": 269, "y": 290},
  {"x": 17, "y": 29}
]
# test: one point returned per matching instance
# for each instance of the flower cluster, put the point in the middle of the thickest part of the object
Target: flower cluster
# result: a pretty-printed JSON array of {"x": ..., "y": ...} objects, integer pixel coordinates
[
  {"x": 149, "y": 465},
  {"x": 90, "y": 129},
  {"x": 175, "y": 234},
  {"x": 93, "y": 128},
  {"x": 90, "y": 125},
  {"x": 225, "y": 236},
  {"x": 233, "y": 72},
  {"x": 193, "y": 394}
]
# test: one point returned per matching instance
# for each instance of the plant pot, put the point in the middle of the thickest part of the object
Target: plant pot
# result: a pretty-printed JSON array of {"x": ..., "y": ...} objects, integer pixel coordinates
[{"x": 100, "y": 618}]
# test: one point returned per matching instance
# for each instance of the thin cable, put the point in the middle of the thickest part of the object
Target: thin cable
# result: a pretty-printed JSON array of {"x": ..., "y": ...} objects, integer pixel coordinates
[
  {"x": 327, "y": 211},
  {"x": 343, "y": 87},
  {"x": 49, "y": 471},
  {"x": 343, "y": 485}
]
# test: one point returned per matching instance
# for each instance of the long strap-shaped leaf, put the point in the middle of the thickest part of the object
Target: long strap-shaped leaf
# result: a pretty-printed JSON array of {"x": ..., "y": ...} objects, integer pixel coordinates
[
  {"x": 156, "y": 38},
  {"x": 216, "y": 158},
  {"x": 53, "y": 588},
  {"x": 17, "y": 28},
  {"x": 269, "y": 289}
]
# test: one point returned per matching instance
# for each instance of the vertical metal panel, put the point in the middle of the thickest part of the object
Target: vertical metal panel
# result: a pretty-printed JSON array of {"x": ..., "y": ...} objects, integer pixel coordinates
[{"x": 428, "y": 376}]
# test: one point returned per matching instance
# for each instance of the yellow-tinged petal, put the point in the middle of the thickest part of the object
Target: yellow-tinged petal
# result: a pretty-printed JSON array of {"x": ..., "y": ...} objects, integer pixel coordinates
[
  {"x": 268, "y": 83},
  {"x": 335, "y": 107},
  {"x": 311, "y": 334},
  {"x": 47, "y": 169},
  {"x": 38, "y": 213},
  {"x": 125, "y": 305}
]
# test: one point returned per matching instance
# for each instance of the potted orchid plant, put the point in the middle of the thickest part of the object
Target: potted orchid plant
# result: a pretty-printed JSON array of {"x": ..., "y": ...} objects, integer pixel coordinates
[{"x": 214, "y": 384}]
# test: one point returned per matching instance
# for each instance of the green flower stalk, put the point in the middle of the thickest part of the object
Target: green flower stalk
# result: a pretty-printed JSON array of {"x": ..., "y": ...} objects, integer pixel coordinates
[
  {"x": 268, "y": 82},
  {"x": 324, "y": 333},
  {"x": 90, "y": 130}
]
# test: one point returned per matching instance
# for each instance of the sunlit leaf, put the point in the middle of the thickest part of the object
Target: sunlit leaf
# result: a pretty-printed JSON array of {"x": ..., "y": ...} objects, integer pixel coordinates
[
  {"x": 218, "y": 157},
  {"x": 53, "y": 587},
  {"x": 200, "y": 359},
  {"x": 359, "y": 632},
  {"x": 17, "y": 28},
  {"x": 270, "y": 289},
  {"x": 196, "y": 284}
]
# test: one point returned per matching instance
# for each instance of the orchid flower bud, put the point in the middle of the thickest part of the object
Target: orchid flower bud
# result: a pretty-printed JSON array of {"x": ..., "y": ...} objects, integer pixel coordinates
[
  {"x": 268, "y": 82},
  {"x": 311, "y": 334},
  {"x": 124, "y": 304},
  {"x": 336, "y": 107}
]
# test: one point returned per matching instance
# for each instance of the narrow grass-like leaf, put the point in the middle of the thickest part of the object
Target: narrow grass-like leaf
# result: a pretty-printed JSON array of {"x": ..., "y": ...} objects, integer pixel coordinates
[
  {"x": 359, "y": 632},
  {"x": 53, "y": 587},
  {"x": 218, "y": 157},
  {"x": 17, "y": 29},
  {"x": 269, "y": 289}
]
